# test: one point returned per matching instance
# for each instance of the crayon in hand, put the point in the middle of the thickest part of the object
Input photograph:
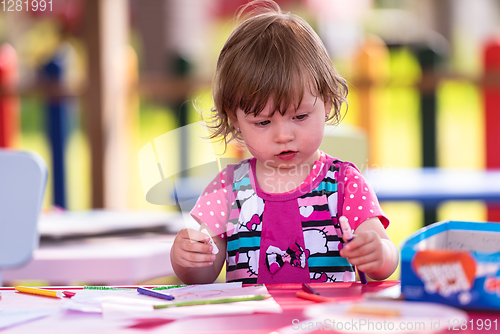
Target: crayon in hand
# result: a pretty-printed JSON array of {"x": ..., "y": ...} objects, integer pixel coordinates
[{"x": 347, "y": 233}]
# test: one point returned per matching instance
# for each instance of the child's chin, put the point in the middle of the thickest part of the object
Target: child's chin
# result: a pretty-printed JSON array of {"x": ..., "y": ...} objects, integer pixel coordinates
[{"x": 282, "y": 164}]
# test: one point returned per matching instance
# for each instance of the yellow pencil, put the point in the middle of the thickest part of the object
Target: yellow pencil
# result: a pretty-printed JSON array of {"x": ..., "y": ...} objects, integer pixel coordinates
[{"x": 41, "y": 292}]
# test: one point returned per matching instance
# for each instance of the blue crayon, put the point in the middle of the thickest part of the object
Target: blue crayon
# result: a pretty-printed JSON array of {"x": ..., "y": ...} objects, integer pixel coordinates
[{"x": 156, "y": 294}]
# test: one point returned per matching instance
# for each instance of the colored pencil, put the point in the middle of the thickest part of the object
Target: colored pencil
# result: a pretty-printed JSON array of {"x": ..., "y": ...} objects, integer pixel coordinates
[
  {"x": 321, "y": 299},
  {"x": 41, "y": 292},
  {"x": 214, "y": 301},
  {"x": 69, "y": 294},
  {"x": 308, "y": 289},
  {"x": 166, "y": 287},
  {"x": 346, "y": 229},
  {"x": 156, "y": 294},
  {"x": 311, "y": 296}
]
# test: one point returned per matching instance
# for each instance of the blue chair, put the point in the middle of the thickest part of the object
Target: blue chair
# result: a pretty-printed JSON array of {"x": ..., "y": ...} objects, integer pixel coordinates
[{"x": 23, "y": 177}]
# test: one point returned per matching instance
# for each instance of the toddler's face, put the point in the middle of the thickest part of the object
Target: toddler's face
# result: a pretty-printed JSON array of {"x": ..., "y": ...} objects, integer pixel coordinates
[{"x": 285, "y": 141}]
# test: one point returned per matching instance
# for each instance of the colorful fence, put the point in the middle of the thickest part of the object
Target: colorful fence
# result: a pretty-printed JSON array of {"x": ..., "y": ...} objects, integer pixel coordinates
[{"x": 374, "y": 76}]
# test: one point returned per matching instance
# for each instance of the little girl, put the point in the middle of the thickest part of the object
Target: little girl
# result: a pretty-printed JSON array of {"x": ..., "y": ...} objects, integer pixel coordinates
[{"x": 274, "y": 217}]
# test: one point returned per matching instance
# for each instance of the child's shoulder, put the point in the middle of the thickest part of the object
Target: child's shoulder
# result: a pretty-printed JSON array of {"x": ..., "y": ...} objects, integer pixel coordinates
[
  {"x": 243, "y": 162},
  {"x": 332, "y": 162},
  {"x": 341, "y": 168},
  {"x": 234, "y": 166},
  {"x": 236, "y": 171}
]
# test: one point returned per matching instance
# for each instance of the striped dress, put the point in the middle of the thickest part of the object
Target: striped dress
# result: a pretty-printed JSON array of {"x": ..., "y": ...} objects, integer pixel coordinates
[{"x": 288, "y": 237}]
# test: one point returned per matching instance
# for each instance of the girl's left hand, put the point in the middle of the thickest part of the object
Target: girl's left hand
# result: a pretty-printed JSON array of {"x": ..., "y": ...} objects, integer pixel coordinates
[{"x": 365, "y": 251}]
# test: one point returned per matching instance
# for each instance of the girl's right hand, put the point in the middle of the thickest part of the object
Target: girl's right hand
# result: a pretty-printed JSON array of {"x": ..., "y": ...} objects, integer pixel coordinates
[{"x": 190, "y": 249}]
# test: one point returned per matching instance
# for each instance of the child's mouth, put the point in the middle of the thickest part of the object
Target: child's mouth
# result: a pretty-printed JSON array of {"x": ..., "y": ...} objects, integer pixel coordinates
[{"x": 287, "y": 155}]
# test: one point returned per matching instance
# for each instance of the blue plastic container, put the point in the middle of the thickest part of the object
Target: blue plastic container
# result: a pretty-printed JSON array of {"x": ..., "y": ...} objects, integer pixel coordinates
[{"x": 455, "y": 263}]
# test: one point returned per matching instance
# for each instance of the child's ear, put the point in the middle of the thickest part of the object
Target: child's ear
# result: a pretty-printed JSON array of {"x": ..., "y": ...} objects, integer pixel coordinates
[
  {"x": 328, "y": 108},
  {"x": 233, "y": 119}
]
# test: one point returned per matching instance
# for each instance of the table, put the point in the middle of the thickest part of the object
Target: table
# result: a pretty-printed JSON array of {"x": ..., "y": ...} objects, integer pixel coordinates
[
  {"x": 433, "y": 186},
  {"x": 98, "y": 261},
  {"x": 101, "y": 248},
  {"x": 284, "y": 294}
]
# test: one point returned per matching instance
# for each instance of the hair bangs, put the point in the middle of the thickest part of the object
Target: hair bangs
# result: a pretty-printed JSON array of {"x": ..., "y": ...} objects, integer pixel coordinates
[
  {"x": 274, "y": 72},
  {"x": 284, "y": 90}
]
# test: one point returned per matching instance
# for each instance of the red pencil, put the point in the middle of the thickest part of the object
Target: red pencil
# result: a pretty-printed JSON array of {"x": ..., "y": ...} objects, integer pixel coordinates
[{"x": 69, "y": 294}]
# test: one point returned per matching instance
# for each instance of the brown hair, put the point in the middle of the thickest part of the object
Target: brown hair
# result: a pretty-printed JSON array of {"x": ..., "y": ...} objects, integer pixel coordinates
[{"x": 271, "y": 55}]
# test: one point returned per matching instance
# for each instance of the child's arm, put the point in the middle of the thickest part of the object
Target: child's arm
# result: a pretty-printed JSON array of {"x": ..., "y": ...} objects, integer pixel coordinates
[
  {"x": 192, "y": 259},
  {"x": 371, "y": 250}
]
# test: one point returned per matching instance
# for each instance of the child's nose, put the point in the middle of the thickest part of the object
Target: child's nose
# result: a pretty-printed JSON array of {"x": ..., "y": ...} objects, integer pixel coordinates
[{"x": 284, "y": 133}]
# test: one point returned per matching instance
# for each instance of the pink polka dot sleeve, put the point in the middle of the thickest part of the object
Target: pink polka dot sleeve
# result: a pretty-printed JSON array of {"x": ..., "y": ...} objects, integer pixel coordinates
[
  {"x": 360, "y": 201},
  {"x": 212, "y": 205}
]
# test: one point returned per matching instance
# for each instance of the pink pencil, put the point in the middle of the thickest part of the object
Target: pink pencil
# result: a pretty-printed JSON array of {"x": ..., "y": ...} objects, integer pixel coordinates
[{"x": 347, "y": 232}]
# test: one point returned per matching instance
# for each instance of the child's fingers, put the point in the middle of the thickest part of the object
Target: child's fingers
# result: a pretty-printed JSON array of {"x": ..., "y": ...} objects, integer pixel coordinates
[
  {"x": 370, "y": 266},
  {"x": 358, "y": 241},
  {"x": 194, "y": 254},
  {"x": 197, "y": 259},
  {"x": 190, "y": 264},
  {"x": 194, "y": 235},
  {"x": 353, "y": 253},
  {"x": 361, "y": 239},
  {"x": 363, "y": 258},
  {"x": 197, "y": 264},
  {"x": 369, "y": 262},
  {"x": 366, "y": 263},
  {"x": 196, "y": 246},
  {"x": 367, "y": 257},
  {"x": 372, "y": 248}
]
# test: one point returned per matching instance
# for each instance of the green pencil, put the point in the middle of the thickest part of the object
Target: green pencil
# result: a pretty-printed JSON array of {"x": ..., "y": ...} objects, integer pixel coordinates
[{"x": 214, "y": 301}]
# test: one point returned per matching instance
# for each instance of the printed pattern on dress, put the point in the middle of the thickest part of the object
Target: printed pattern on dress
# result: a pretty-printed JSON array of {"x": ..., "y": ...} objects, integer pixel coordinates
[
  {"x": 231, "y": 208},
  {"x": 244, "y": 228},
  {"x": 318, "y": 210},
  {"x": 318, "y": 216}
]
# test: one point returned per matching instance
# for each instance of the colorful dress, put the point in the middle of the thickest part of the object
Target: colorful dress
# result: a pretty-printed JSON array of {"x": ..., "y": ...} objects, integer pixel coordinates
[{"x": 287, "y": 237}]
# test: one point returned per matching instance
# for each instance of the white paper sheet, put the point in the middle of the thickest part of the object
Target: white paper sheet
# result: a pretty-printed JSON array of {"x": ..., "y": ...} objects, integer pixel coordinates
[
  {"x": 128, "y": 304},
  {"x": 10, "y": 318},
  {"x": 116, "y": 311},
  {"x": 91, "y": 301}
]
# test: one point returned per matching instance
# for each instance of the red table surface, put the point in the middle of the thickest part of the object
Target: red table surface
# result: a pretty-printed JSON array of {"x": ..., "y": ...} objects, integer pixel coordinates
[
  {"x": 285, "y": 295},
  {"x": 293, "y": 307}
]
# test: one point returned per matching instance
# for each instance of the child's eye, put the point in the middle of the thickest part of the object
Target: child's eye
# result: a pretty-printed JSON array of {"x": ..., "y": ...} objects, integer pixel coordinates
[
  {"x": 301, "y": 117},
  {"x": 263, "y": 123}
]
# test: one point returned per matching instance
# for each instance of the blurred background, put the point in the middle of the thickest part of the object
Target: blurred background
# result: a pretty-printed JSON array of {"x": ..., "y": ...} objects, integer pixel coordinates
[{"x": 87, "y": 84}]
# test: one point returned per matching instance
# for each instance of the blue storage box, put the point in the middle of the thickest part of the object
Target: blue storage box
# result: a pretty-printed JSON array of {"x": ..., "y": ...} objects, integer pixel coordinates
[{"x": 453, "y": 262}]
